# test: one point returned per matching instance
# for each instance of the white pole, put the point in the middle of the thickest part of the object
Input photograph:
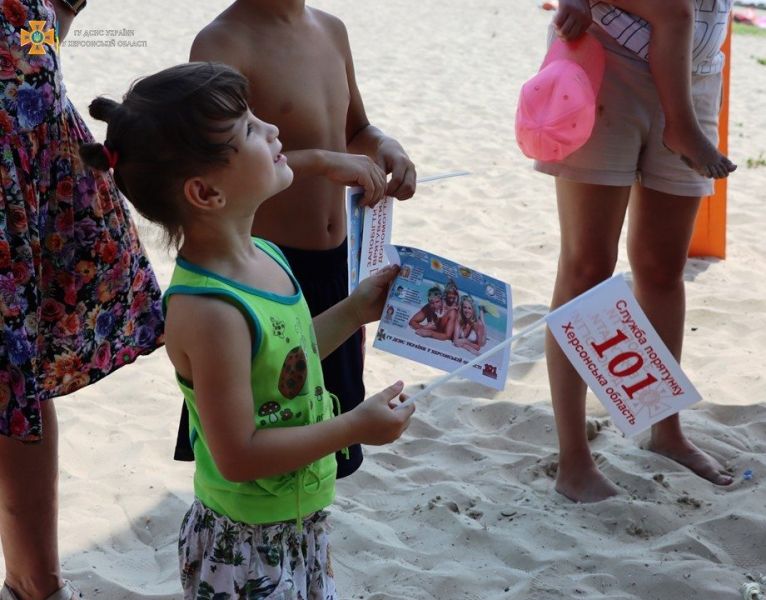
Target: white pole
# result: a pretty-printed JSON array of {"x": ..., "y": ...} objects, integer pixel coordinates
[
  {"x": 442, "y": 176},
  {"x": 446, "y": 377}
]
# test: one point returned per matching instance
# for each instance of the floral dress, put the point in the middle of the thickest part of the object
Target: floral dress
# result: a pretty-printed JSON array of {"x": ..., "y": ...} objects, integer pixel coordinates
[{"x": 78, "y": 298}]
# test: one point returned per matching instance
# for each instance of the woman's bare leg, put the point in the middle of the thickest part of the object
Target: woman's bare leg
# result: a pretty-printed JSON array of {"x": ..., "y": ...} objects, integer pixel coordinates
[
  {"x": 29, "y": 511},
  {"x": 670, "y": 61},
  {"x": 591, "y": 218},
  {"x": 659, "y": 233}
]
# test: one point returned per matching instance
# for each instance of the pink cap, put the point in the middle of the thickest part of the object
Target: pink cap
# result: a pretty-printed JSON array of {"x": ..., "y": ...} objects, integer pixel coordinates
[{"x": 557, "y": 107}]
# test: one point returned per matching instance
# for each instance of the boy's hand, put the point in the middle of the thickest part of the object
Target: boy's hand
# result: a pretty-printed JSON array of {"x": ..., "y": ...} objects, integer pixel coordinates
[
  {"x": 572, "y": 19},
  {"x": 357, "y": 169},
  {"x": 394, "y": 160},
  {"x": 369, "y": 297},
  {"x": 377, "y": 420}
]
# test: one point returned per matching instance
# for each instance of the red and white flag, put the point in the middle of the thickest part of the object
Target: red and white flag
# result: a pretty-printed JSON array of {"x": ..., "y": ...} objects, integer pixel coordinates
[{"x": 609, "y": 340}]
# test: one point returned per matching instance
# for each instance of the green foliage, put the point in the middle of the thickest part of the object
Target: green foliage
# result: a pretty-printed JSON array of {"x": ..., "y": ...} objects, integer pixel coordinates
[
  {"x": 743, "y": 29},
  {"x": 256, "y": 589},
  {"x": 206, "y": 592}
]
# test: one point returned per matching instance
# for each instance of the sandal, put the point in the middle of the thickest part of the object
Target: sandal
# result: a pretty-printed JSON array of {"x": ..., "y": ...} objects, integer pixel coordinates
[{"x": 66, "y": 592}]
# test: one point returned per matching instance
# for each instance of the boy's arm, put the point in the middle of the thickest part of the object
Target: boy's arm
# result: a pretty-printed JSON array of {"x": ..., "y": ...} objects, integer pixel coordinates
[
  {"x": 216, "y": 44},
  {"x": 335, "y": 325},
  {"x": 340, "y": 167},
  {"x": 363, "y": 138},
  {"x": 445, "y": 335},
  {"x": 417, "y": 319},
  {"x": 436, "y": 334}
]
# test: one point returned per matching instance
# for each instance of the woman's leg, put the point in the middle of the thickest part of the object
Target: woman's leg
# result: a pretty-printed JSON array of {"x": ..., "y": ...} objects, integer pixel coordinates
[
  {"x": 670, "y": 60},
  {"x": 29, "y": 511},
  {"x": 659, "y": 233},
  {"x": 591, "y": 218}
]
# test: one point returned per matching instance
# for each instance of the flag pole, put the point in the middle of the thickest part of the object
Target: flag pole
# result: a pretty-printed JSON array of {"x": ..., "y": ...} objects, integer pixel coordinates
[{"x": 469, "y": 365}]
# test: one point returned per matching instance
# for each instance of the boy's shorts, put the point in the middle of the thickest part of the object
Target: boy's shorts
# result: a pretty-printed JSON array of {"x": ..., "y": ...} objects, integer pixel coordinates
[
  {"x": 221, "y": 558},
  {"x": 626, "y": 144}
]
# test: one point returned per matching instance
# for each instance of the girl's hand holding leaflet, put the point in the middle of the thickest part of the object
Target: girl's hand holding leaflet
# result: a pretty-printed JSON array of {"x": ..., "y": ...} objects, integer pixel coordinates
[
  {"x": 370, "y": 296},
  {"x": 377, "y": 422},
  {"x": 572, "y": 19}
]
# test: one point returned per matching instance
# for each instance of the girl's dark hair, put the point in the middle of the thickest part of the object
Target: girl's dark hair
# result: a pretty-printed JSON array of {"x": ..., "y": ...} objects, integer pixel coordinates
[{"x": 167, "y": 129}]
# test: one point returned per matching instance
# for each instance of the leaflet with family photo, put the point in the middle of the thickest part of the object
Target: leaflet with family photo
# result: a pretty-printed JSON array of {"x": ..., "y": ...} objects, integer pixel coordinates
[
  {"x": 443, "y": 314},
  {"x": 368, "y": 230}
]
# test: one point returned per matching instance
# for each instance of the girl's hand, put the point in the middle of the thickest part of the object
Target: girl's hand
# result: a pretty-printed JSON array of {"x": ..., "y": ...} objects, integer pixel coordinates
[
  {"x": 377, "y": 419},
  {"x": 370, "y": 296},
  {"x": 425, "y": 332},
  {"x": 572, "y": 19}
]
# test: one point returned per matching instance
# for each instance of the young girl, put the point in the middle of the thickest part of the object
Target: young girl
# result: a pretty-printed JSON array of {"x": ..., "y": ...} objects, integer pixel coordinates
[
  {"x": 663, "y": 32},
  {"x": 190, "y": 155}
]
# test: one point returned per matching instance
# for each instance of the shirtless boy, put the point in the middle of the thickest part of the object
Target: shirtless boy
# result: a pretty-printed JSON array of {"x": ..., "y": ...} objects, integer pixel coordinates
[{"x": 301, "y": 73}]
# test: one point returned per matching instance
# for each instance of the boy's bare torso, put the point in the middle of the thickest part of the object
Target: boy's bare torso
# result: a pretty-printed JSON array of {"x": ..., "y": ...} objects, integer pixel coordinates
[{"x": 298, "y": 73}]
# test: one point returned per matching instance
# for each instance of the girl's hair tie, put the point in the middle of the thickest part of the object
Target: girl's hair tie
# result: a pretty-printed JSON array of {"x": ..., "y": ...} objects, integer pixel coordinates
[{"x": 111, "y": 156}]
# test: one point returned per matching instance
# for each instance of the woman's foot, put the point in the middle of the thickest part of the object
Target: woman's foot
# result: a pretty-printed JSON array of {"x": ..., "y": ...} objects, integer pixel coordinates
[
  {"x": 687, "y": 454},
  {"x": 65, "y": 592},
  {"x": 696, "y": 150},
  {"x": 585, "y": 485}
]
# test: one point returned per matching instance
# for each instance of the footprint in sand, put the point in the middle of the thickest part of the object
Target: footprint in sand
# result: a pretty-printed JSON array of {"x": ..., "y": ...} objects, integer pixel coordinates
[{"x": 593, "y": 428}]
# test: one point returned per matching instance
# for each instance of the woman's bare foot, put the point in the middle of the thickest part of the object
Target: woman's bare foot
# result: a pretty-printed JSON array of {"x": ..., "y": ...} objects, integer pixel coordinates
[
  {"x": 585, "y": 485},
  {"x": 696, "y": 150},
  {"x": 687, "y": 454}
]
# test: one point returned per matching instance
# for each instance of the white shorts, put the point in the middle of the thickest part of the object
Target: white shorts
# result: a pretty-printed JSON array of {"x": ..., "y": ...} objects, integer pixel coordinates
[
  {"x": 626, "y": 144},
  {"x": 224, "y": 559}
]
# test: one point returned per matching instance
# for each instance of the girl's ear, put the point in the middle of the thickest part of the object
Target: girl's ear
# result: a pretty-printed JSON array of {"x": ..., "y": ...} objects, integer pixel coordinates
[{"x": 203, "y": 196}]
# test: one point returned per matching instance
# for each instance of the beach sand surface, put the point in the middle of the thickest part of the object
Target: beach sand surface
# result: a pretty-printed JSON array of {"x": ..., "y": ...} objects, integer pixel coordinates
[{"x": 463, "y": 506}]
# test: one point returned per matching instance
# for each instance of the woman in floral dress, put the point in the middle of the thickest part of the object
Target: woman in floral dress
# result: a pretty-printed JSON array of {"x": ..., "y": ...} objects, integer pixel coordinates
[{"x": 78, "y": 298}]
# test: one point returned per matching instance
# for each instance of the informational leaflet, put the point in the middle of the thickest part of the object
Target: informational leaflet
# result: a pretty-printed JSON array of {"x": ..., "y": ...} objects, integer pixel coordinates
[
  {"x": 369, "y": 230},
  {"x": 443, "y": 314}
]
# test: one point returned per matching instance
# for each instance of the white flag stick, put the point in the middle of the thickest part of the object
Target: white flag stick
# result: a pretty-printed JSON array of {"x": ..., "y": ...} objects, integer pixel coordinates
[
  {"x": 446, "y": 377},
  {"x": 442, "y": 176}
]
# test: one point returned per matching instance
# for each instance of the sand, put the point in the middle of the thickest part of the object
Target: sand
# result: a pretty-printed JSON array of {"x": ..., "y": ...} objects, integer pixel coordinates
[{"x": 462, "y": 507}]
